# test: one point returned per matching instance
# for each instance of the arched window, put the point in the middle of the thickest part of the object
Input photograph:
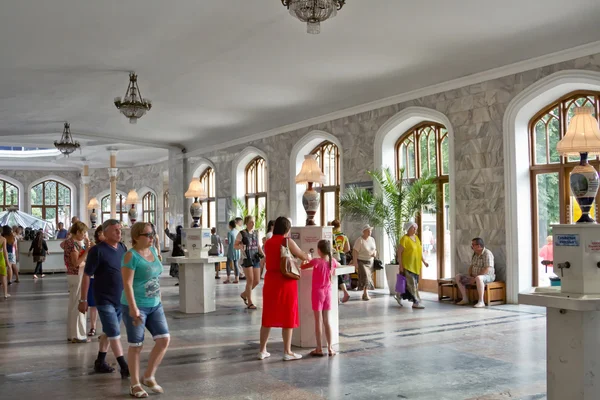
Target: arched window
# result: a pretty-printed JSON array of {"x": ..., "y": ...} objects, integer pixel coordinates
[
  {"x": 105, "y": 207},
  {"x": 149, "y": 208},
  {"x": 552, "y": 201},
  {"x": 423, "y": 151},
  {"x": 9, "y": 195},
  {"x": 328, "y": 157},
  {"x": 256, "y": 186},
  {"x": 209, "y": 205},
  {"x": 51, "y": 201}
]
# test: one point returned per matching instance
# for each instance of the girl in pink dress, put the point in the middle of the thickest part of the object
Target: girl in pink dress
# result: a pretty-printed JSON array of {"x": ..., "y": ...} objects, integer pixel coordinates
[{"x": 323, "y": 274}]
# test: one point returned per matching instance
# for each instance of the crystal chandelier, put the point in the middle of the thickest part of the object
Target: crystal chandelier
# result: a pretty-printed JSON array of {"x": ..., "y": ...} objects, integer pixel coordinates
[
  {"x": 133, "y": 105},
  {"x": 313, "y": 12},
  {"x": 66, "y": 145}
]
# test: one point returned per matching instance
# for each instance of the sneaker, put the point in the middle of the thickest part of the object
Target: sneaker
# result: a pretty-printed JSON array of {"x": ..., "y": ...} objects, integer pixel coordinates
[
  {"x": 480, "y": 304},
  {"x": 418, "y": 306},
  {"x": 124, "y": 373},
  {"x": 263, "y": 355},
  {"x": 291, "y": 357},
  {"x": 463, "y": 302},
  {"x": 102, "y": 367},
  {"x": 398, "y": 299}
]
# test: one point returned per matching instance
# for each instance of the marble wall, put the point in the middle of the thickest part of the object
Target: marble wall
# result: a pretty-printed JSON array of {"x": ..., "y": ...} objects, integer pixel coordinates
[
  {"x": 475, "y": 112},
  {"x": 139, "y": 178}
]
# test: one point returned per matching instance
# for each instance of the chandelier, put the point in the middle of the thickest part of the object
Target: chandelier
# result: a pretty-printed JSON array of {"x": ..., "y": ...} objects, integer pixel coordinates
[
  {"x": 133, "y": 105},
  {"x": 66, "y": 145},
  {"x": 313, "y": 12}
]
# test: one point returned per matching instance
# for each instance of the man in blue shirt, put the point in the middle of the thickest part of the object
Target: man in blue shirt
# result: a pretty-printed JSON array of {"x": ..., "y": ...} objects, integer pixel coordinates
[
  {"x": 61, "y": 233},
  {"x": 104, "y": 263}
]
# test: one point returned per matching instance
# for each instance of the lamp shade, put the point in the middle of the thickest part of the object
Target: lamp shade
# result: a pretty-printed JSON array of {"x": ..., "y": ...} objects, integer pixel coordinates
[
  {"x": 583, "y": 134},
  {"x": 310, "y": 171},
  {"x": 195, "y": 190},
  {"x": 93, "y": 204},
  {"x": 132, "y": 198}
]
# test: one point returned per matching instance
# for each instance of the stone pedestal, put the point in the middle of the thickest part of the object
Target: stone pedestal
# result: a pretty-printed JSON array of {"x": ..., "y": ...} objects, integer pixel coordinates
[
  {"x": 573, "y": 314},
  {"x": 196, "y": 284},
  {"x": 304, "y": 336}
]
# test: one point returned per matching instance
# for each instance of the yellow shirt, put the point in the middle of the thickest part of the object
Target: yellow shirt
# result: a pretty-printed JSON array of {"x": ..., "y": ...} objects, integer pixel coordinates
[{"x": 412, "y": 255}]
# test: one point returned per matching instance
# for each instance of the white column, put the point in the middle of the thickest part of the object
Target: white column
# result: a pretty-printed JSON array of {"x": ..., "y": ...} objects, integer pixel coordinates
[
  {"x": 85, "y": 180},
  {"x": 113, "y": 173}
]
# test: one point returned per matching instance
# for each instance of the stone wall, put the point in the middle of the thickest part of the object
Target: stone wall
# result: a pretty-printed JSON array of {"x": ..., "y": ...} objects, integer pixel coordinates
[{"x": 476, "y": 113}]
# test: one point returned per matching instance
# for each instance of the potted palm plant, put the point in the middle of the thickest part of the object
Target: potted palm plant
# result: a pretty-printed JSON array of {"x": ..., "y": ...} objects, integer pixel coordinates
[
  {"x": 240, "y": 209},
  {"x": 396, "y": 202}
]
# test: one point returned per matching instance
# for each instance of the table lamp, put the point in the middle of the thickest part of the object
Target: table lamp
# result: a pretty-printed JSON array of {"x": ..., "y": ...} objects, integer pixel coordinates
[
  {"x": 195, "y": 191},
  {"x": 583, "y": 139},
  {"x": 92, "y": 205},
  {"x": 132, "y": 200},
  {"x": 310, "y": 173}
]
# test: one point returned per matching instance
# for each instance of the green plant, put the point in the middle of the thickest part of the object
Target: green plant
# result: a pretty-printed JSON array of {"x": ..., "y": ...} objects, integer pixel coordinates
[
  {"x": 241, "y": 210},
  {"x": 396, "y": 202}
]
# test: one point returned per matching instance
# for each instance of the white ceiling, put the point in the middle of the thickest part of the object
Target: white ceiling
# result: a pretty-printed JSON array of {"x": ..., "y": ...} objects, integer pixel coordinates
[{"x": 220, "y": 70}]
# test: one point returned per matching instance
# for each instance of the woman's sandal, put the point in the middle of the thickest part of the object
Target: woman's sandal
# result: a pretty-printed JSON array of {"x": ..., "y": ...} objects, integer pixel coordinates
[
  {"x": 92, "y": 332},
  {"x": 152, "y": 385},
  {"x": 316, "y": 353},
  {"x": 139, "y": 394},
  {"x": 245, "y": 299},
  {"x": 251, "y": 306},
  {"x": 332, "y": 353}
]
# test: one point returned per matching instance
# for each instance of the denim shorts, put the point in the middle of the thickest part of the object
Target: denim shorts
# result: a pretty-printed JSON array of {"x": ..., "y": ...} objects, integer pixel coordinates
[
  {"x": 110, "y": 316},
  {"x": 153, "y": 318}
]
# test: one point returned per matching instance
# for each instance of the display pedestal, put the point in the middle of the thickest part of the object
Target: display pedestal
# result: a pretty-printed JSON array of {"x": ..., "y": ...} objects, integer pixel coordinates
[
  {"x": 573, "y": 314},
  {"x": 197, "y": 284},
  {"x": 304, "y": 335}
]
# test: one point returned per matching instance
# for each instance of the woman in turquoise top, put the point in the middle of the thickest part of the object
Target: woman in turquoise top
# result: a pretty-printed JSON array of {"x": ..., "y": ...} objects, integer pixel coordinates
[{"x": 142, "y": 308}]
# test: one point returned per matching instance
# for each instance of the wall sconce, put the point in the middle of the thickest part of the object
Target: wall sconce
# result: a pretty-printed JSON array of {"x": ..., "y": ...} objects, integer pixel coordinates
[
  {"x": 132, "y": 200},
  {"x": 583, "y": 139},
  {"x": 310, "y": 173},
  {"x": 195, "y": 191},
  {"x": 92, "y": 205}
]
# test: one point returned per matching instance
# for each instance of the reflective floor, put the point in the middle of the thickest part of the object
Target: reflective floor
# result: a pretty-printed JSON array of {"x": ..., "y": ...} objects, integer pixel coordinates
[{"x": 386, "y": 352}]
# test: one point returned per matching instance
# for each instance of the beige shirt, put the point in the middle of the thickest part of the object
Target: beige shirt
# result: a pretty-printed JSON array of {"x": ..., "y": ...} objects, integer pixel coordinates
[{"x": 365, "y": 248}]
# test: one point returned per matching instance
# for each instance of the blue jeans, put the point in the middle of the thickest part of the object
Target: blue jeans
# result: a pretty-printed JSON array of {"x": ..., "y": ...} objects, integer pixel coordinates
[
  {"x": 110, "y": 316},
  {"x": 232, "y": 265},
  {"x": 153, "y": 318}
]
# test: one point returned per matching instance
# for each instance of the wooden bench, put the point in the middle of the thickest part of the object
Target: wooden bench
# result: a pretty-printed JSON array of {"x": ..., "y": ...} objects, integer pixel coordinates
[{"x": 494, "y": 293}]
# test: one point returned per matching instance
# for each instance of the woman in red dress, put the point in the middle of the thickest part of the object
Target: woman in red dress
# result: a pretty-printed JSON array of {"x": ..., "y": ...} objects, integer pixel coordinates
[{"x": 280, "y": 294}]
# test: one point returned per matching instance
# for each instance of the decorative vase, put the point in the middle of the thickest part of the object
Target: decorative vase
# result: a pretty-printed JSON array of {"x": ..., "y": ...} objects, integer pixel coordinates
[
  {"x": 310, "y": 202},
  {"x": 93, "y": 218},
  {"x": 196, "y": 212},
  {"x": 132, "y": 213},
  {"x": 584, "y": 186}
]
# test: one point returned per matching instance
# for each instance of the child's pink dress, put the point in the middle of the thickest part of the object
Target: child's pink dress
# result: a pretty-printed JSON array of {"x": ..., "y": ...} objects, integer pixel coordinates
[{"x": 321, "y": 284}]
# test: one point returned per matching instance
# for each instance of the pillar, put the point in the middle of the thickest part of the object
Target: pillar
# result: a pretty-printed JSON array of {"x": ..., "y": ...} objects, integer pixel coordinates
[
  {"x": 85, "y": 180},
  {"x": 113, "y": 172},
  {"x": 177, "y": 187}
]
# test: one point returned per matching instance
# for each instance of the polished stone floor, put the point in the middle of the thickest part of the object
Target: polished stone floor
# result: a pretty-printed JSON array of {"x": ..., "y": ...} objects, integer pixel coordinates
[{"x": 386, "y": 352}]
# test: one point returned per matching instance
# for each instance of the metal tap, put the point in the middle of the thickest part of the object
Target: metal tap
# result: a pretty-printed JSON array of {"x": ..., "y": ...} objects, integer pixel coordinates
[{"x": 566, "y": 264}]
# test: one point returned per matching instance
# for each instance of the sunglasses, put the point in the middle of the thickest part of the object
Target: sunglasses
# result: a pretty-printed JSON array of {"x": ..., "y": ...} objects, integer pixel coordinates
[{"x": 149, "y": 235}]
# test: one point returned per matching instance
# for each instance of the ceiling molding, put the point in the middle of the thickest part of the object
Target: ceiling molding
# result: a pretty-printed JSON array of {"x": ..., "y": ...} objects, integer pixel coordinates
[{"x": 495, "y": 73}]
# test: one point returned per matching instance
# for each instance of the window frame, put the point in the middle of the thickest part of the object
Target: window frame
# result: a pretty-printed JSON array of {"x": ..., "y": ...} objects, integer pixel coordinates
[
  {"x": 149, "y": 208},
  {"x": 3, "y": 204},
  {"x": 440, "y": 179},
  {"x": 207, "y": 179},
  {"x": 252, "y": 199},
  {"x": 320, "y": 151},
  {"x": 45, "y": 207},
  {"x": 563, "y": 168}
]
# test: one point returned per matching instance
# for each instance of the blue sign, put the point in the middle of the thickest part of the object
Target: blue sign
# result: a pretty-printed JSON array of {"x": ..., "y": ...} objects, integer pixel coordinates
[{"x": 566, "y": 240}]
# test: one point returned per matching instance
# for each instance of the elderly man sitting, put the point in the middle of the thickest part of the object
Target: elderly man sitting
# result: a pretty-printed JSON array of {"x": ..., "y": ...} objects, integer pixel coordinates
[{"x": 481, "y": 272}]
